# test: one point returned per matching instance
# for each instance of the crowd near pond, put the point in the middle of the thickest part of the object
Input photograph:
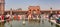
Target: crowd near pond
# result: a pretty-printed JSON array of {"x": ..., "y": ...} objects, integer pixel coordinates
[{"x": 24, "y": 21}]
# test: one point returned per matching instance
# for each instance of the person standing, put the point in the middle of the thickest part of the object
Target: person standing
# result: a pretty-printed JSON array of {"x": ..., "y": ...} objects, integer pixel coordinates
[
  {"x": 2, "y": 17},
  {"x": 50, "y": 15},
  {"x": 15, "y": 17},
  {"x": 19, "y": 17},
  {"x": 8, "y": 16}
]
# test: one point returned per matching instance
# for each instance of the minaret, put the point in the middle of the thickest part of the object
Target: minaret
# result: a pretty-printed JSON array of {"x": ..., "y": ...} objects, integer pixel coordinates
[
  {"x": 2, "y": 6},
  {"x": 51, "y": 9}
]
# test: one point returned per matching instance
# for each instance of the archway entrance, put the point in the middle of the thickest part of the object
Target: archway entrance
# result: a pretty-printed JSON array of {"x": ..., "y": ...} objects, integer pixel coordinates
[{"x": 34, "y": 11}]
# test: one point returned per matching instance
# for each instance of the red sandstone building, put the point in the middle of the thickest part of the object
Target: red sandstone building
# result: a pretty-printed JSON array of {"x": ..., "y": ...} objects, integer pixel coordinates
[{"x": 30, "y": 10}]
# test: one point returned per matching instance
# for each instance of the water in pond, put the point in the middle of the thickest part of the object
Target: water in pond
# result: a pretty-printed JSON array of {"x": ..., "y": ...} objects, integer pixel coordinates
[{"x": 16, "y": 23}]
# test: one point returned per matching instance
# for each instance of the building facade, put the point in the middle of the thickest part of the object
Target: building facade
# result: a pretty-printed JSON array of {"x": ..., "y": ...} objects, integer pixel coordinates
[{"x": 31, "y": 10}]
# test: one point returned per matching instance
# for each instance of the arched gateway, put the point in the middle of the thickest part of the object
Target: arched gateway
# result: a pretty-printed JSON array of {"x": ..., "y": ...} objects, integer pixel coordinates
[{"x": 33, "y": 11}]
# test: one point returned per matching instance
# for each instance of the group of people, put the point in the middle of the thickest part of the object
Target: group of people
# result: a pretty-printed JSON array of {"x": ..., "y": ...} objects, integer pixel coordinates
[
  {"x": 15, "y": 17},
  {"x": 9, "y": 17},
  {"x": 1, "y": 17},
  {"x": 54, "y": 16}
]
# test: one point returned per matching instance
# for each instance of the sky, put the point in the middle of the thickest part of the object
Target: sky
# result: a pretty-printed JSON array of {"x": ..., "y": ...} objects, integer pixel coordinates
[{"x": 24, "y": 4}]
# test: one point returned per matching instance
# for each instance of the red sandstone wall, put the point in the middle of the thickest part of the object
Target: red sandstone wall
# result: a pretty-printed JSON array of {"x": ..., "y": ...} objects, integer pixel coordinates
[
  {"x": 34, "y": 8},
  {"x": 2, "y": 6}
]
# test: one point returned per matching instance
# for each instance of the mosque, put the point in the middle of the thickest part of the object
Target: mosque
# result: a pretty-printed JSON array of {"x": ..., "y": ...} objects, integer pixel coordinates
[{"x": 31, "y": 10}]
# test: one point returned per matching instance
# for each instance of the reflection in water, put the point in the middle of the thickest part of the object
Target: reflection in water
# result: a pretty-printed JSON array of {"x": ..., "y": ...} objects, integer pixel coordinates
[
  {"x": 11, "y": 25},
  {"x": 32, "y": 23},
  {"x": 51, "y": 23},
  {"x": 23, "y": 22},
  {"x": 57, "y": 26},
  {"x": 42, "y": 22},
  {"x": 1, "y": 24}
]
